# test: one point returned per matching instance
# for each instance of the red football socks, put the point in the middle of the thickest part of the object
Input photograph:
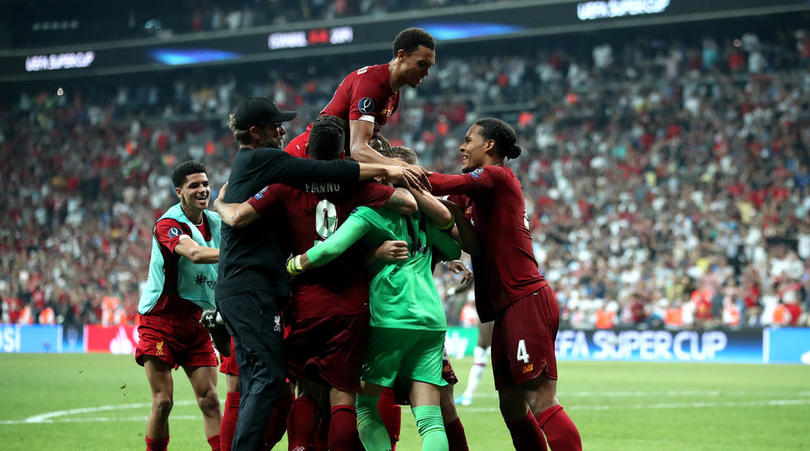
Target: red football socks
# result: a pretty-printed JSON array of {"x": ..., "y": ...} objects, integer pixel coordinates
[
  {"x": 322, "y": 433},
  {"x": 301, "y": 422},
  {"x": 229, "y": 417},
  {"x": 560, "y": 431},
  {"x": 391, "y": 415},
  {"x": 343, "y": 428},
  {"x": 526, "y": 434},
  {"x": 277, "y": 425},
  {"x": 214, "y": 442},
  {"x": 456, "y": 439},
  {"x": 157, "y": 444}
]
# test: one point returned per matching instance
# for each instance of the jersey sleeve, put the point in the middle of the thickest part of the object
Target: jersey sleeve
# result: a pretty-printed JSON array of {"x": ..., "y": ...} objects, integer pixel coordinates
[
  {"x": 169, "y": 232},
  {"x": 441, "y": 240},
  {"x": 367, "y": 97},
  {"x": 479, "y": 180},
  {"x": 297, "y": 147},
  {"x": 277, "y": 166},
  {"x": 267, "y": 199},
  {"x": 347, "y": 234}
]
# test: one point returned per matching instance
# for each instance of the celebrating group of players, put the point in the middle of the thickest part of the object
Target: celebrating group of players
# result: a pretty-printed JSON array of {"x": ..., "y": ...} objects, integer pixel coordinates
[{"x": 353, "y": 313}]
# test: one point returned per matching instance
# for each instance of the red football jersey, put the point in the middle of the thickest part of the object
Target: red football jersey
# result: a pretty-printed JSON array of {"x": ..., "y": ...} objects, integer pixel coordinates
[
  {"x": 365, "y": 95},
  {"x": 484, "y": 307},
  {"x": 313, "y": 214},
  {"x": 506, "y": 266},
  {"x": 168, "y": 233},
  {"x": 297, "y": 147}
]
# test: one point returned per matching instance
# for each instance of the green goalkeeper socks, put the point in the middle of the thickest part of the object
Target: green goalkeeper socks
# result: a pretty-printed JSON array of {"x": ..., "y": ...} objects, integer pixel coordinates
[
  {"x": 431, "y": 428},
  {"x": 370, "y": 425},
  {"x": 375, "y": 437}
]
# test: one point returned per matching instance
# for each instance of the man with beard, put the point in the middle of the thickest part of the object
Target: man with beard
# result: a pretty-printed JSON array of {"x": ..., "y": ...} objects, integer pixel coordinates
[{"x": 252, "y": 286}]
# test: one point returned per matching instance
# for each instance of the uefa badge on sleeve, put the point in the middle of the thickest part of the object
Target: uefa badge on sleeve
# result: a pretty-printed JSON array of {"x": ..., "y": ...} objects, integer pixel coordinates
[{"x": 366, "y": 105}]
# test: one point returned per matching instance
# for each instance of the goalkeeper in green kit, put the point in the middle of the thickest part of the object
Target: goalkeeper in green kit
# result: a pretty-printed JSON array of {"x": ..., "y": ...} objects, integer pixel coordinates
[{"x": 408, "y": 323}]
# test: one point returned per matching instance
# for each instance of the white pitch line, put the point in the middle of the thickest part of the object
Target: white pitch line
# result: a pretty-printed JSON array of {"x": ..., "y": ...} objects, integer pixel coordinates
[
  {"x": 53, "y": 417},
  {"x": 137, "y": 418},
  {"x": 48, "y": 417}
]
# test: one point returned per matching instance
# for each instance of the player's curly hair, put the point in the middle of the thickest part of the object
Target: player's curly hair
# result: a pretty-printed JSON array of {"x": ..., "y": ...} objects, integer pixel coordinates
[
  {"x": 410, "y": 39},
  {"x": 185, "y": 169},
  {"x": 326, "y": 138},
  {"x": 242, "y": 136},
  {"x": 403, "y": 153},
  {"x": 503, "y": 135}
]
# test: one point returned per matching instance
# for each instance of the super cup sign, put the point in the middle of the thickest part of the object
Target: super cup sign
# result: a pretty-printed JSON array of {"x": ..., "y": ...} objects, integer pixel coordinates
[
  {"x": 660, "y": 345},
  {"x": 57, "y": 61}
]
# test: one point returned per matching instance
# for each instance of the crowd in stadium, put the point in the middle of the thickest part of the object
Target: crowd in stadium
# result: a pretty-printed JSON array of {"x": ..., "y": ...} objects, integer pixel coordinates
[
  {"x": 63, "y": 23},
  {"x": 666, "y": 183}
]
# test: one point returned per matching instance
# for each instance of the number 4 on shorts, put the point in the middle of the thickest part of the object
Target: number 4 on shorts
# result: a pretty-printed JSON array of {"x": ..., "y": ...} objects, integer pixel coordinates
[{"x": 521, "y": 352}]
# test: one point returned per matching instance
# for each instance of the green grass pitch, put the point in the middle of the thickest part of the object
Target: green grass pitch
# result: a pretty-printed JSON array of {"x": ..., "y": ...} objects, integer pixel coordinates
[{"x": 100, "y": 402}]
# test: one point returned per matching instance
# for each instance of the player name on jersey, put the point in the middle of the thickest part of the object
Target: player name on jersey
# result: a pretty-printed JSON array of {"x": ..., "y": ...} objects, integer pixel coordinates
[{"x": 321, "y": 188}]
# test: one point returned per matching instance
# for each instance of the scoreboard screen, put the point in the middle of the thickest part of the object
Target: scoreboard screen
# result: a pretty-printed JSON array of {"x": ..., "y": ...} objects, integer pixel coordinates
[{"x": 359, "y": 34}]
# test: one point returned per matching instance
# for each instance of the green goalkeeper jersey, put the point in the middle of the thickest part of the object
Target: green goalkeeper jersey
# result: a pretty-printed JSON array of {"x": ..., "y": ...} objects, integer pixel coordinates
[{"x": 402, "y": 294}]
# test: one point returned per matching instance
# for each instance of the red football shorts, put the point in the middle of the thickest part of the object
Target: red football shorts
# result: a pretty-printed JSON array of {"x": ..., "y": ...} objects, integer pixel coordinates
[
  {"x": 523, "y": 340},
  {"x": 229, "y": 365},
  {"x": 178, "y": 343},
  {"x": 330, "y": 350}
]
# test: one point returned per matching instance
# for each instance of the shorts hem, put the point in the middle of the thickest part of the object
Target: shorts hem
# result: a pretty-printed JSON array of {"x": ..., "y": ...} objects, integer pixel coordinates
[
  {"x": 522, "y": 380},
  {"x": 443, "y": 384},
  {"x": 341, "y": 386},
  {"x": 140, "y": 359},
  {"x": 389, "y": 385}
]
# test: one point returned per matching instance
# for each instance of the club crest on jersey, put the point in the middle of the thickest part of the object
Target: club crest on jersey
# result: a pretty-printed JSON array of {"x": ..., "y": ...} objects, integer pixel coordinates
[
  {"x": 366, "y": 105},
  {"x": 174, "y": 232},
  {"x": 477, "y": 172}
]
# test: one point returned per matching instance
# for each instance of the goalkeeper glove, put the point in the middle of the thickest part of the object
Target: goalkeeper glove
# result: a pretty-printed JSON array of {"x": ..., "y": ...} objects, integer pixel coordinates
[{"x": 294, "y": 267}]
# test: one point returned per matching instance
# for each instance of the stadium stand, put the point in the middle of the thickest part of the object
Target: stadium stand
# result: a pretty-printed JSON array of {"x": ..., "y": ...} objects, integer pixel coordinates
[
  {"x": 43, "y": 22},
  {"x": 667, "y": 179}
]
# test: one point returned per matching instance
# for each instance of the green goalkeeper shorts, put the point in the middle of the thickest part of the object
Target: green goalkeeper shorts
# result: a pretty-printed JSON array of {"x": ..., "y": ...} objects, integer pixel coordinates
[{"x": 409, "y": 354}]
